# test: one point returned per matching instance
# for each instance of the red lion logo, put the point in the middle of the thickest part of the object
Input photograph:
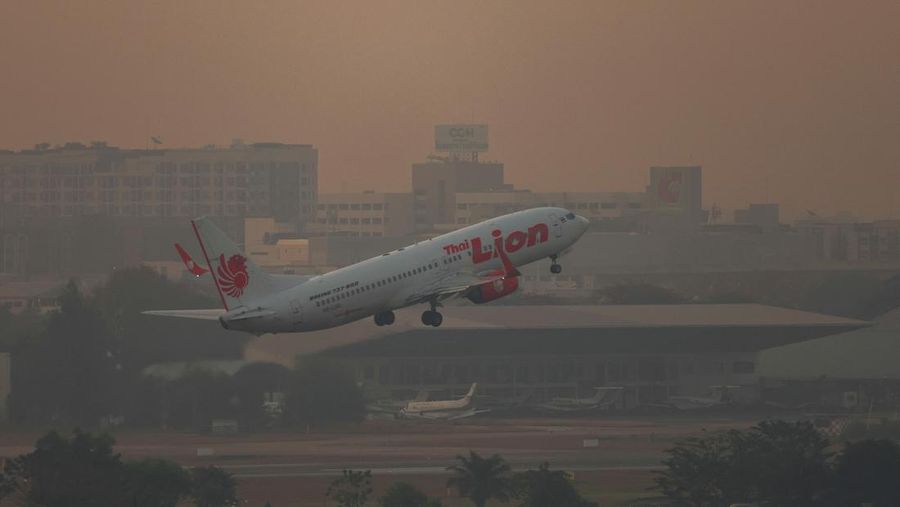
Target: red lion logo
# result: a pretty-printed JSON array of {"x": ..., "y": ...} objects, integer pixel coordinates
[
  {"x": 670, "y": 188},
  {"x": 233, "y": 277}
]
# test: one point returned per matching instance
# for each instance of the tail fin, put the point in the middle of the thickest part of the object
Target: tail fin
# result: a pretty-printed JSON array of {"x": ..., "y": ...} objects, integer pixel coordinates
[
  {"x": 472, "y": 390},
  {"x": 238, "y": 280}
]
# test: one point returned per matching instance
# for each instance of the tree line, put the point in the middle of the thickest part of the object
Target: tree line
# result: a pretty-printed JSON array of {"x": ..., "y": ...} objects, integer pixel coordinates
[
  {"x": 780, "y": 464},
  {"x": 84, "y": 471},
  {"x": 84, "y": 364},
  {"x": 477, "y": 478}
]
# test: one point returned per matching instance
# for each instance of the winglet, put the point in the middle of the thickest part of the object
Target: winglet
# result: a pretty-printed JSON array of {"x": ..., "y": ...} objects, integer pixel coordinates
[{"x": 189, "y": 263}]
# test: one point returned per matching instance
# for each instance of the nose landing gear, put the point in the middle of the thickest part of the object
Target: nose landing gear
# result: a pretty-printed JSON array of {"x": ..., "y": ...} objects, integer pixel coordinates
[{"x": 555, "y": 268}]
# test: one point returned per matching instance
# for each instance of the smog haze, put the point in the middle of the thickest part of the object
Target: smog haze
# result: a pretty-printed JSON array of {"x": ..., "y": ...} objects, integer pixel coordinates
[{"x": 793, "y": 102}]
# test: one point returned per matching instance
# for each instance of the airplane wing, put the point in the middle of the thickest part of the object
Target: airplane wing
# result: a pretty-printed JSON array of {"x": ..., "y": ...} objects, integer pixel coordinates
[
  {"x": 453, "y": 285},
  {"x": 468, "y": 413},
  {"x": 205, "y": 314}
]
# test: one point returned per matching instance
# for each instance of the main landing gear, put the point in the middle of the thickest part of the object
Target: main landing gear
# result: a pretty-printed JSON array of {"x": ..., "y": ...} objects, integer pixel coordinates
[
  {"x": 384, "y": 318},
  {"x": 432, "y": 317},
  {"x": 555, "y": 268}
]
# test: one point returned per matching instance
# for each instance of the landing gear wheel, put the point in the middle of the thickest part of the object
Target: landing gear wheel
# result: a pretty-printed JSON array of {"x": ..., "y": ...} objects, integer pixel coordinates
[
  {"x": 432, "y": 318},
  {"x": 384, "y": 318},
  {"x": 555, "y": 269}
]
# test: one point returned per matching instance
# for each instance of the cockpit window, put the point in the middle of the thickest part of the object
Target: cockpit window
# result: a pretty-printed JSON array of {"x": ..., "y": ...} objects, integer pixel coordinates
[{"x": 570, "y": 216}]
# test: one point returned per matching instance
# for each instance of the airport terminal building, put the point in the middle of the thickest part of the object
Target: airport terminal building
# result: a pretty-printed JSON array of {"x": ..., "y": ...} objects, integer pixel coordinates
[{"x": 652, "y": 351}]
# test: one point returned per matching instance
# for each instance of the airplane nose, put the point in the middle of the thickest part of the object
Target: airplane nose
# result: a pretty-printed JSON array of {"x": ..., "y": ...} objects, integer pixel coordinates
[{"x": 583, "y": 223}]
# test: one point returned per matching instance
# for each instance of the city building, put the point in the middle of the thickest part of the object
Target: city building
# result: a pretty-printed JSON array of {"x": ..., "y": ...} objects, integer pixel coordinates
[
  {"x": 765, "y": 216},
  {"x": 853, "y": 242},
  {"x": 82, "y": 208},
  {"x": 365, "y": 215},
  {"x": 675, "y": 197},
  {"x": 274, "y": 245},
  {"x": 599, "y": 207},
  {"x": 436, "y": 185}
]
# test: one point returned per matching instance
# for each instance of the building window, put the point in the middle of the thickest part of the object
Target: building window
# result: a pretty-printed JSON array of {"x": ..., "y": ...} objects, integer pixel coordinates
[{"x": 608, "y": 205}]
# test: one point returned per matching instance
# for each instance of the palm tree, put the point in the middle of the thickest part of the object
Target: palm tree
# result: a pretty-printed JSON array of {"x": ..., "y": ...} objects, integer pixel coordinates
[{"x": 480, "y": 479}]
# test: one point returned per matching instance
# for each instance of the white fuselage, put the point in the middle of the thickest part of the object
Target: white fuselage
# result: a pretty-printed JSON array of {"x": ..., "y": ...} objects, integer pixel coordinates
[{"x": 399, "y": 278}]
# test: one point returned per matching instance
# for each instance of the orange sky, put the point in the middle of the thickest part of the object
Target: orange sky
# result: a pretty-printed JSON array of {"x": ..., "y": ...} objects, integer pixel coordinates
[{"x": 797, "y": 102}]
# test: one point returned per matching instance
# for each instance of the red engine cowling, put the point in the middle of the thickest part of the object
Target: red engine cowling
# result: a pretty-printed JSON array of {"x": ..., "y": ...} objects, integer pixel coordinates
[{"x": 494, "y": 290}]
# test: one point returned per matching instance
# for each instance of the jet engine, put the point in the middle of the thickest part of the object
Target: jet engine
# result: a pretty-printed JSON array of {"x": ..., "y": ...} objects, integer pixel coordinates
[{"x": 493, "y": 290}]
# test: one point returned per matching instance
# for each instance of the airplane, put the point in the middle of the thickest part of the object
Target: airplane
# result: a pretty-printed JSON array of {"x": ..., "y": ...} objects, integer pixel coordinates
[
  {"x": 720, "y": 395},
  {"x": 603, "y": 398},
  {"x": 443, "y": 409},
  {"x": 478, "y": 262}
]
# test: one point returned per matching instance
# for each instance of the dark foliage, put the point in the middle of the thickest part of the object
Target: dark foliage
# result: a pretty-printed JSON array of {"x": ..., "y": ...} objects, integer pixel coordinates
[
  {"x": 81, "y": 472},
  {"x": 402, "y": 494},
  {"x": 322, "y": 391},
  {"x": 775, "y": 462},
  {"x": 213, "y": 487},
  {"x": 481, "y": 479},
  {"x": 868, "y": 472},
  {"x": 547, "y": 488},
  {"x": 351, "y": 489},
  {"x": 68, "y": 373},
  {"x": 155, "y": 483}
]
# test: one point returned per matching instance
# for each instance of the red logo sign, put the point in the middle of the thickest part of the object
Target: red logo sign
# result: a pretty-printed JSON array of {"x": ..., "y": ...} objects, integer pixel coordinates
[
  {"x": 233, "y": 277},
  {"x": 669, "y": 190}
]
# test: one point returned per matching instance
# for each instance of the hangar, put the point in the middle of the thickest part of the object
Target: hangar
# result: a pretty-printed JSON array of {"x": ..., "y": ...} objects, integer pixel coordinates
[{"x": 652, "y": 351}]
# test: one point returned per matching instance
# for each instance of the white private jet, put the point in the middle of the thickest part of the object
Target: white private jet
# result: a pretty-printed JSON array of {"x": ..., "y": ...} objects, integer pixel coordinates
[
  {"x": 478, "y": 262},
  {"x": 603, "y": 399},
  {"x": 443, "y": 409}
]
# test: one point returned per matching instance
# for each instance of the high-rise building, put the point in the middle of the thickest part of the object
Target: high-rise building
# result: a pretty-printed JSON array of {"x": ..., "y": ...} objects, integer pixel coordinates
[
  {"x": 365, "y": 215},
  {"x": 436, "y": 184},
  {"x": 84, "y": 208}
]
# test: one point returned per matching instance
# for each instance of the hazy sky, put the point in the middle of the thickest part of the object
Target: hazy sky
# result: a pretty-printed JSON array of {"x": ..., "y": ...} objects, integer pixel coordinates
[{"x": 795, "y": 102}]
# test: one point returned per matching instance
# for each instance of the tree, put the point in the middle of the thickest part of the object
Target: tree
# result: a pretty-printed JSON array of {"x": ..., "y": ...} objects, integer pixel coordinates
[
  {"x": 155, "y": 483},
  {"x": 79, "y": 472},
  {"x": 403, "y": 494},
  {"x": 213, "y": 487},
  {"x": 67, "y": 373},
  {"x": 867, "y": 472},
  {"x": 481, "y": 479},
  {"x": 775, "y": 462},
  {"x": 323, "y": 391},
  {"x": 142, "y": 340},
  {"x": 351, "y": 489},
  {"x": 547, "y": 488}
]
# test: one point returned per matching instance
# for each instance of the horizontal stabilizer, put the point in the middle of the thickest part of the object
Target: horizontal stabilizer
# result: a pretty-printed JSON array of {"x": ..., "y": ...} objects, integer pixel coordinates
[{"x": 211, "y": 314}]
